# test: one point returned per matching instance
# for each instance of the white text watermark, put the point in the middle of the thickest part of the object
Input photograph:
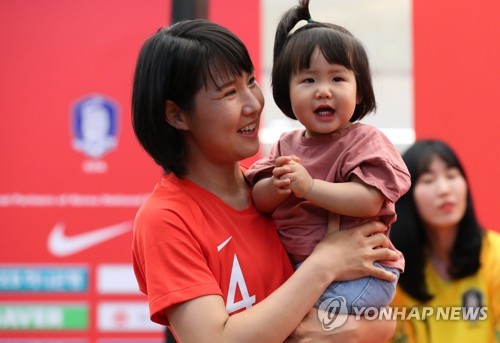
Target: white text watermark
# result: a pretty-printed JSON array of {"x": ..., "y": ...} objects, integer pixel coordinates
[{"x": 332, "y": 313}]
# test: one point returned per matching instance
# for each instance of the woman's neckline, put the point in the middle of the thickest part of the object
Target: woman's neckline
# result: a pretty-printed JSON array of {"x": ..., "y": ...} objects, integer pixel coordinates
[{"x": 236, "y": 200}]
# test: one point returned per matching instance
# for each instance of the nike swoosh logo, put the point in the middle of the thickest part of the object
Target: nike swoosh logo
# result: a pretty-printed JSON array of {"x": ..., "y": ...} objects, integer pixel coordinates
[
  {"x": 223, "y": 244},
  {"x": 59, "y": 244}
]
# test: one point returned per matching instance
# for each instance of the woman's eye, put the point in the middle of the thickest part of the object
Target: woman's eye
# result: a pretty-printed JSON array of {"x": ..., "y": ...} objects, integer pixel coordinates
[
  {"x": 252, "y": 82},
  {"x": 230, "y": 92},
  {"x": 453, "y": 173},
  {"x": 425, "y": 179}
]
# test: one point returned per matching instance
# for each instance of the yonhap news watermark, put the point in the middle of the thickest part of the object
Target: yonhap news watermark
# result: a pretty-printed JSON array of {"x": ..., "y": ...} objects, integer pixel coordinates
[{"x": 332, "y": 313}]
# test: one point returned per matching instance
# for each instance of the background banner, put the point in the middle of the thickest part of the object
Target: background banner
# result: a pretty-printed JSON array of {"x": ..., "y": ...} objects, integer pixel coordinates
[{"x": 73, "y": 174}]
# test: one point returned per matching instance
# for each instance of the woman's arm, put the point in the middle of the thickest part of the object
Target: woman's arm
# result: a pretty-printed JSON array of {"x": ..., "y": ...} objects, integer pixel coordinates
[{"x": 341, "y": 255}]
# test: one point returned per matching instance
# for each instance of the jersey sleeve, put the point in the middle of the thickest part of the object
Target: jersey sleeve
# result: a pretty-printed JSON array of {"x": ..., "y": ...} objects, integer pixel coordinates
[
  {"x": 375, "y": 160},
  {"x": 170, "y": 264}
]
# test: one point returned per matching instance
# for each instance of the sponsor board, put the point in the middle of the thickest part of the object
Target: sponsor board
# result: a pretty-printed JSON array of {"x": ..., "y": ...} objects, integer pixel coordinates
[
  {"x": 43, "y": 317},
  {"x": 125, "y": 317},
  {"x": 43, "y": 279},
  {"x": 116, "y": 279}
]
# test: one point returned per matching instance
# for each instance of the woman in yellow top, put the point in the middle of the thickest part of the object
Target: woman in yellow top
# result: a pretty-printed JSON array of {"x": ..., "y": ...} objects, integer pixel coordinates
[{"x": 452, "y": 273}]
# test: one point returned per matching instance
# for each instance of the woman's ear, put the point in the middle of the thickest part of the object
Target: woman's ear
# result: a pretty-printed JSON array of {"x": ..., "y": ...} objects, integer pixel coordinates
[{"x": 175, "y": 116}]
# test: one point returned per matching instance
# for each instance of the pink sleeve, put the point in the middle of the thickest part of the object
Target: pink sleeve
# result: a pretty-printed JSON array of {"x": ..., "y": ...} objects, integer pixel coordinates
[
  {"x": 388, "y": 179},
  {"x": 375, "y": 160}
]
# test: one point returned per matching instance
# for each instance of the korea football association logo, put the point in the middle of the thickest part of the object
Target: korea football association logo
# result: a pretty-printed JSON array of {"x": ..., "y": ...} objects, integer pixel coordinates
[{"x": 95, "y": 126}]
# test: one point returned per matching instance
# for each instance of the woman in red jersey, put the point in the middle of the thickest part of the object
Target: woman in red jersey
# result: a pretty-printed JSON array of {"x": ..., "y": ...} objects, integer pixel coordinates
[{"x": 211, "y": 265}]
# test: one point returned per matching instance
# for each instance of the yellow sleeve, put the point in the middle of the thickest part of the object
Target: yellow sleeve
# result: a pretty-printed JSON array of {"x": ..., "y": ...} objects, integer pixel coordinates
[{"x": 491, "y": 263}]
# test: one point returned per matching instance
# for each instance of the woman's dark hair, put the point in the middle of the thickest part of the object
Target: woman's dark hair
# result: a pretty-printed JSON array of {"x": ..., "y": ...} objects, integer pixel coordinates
[
  {"x": 408, "y": 235},
  {"x": 173, "y": 65},
  {"x": 293, "y": 51}
]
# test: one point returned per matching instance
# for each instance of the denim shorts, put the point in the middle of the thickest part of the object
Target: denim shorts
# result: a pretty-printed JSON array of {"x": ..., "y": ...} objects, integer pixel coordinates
[{"x": 364, "y": 292}]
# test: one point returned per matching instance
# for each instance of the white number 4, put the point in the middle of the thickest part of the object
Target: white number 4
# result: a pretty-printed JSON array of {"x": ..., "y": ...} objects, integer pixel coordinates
[{"x": 237, "y": 280}]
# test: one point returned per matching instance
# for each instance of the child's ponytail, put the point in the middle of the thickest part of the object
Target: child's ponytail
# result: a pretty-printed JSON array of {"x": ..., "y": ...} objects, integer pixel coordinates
[{"x": 287, "y": 23}]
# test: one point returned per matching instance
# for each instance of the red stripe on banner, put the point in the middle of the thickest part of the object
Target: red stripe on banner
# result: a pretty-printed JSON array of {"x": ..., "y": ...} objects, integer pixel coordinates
[
  {"x": 456, "y": 74},
  {"x": 62, "y": 207}
]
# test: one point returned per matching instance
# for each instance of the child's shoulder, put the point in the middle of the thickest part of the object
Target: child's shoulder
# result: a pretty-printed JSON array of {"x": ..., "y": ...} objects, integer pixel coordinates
[
  {"x": 292, "y": 134},
  {"x": 366, "y": 128},
  {"x": 365, "y": 131}
]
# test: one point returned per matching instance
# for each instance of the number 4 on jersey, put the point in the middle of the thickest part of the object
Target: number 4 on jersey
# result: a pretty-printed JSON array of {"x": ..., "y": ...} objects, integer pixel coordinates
[{"x": 237, "y": 280}]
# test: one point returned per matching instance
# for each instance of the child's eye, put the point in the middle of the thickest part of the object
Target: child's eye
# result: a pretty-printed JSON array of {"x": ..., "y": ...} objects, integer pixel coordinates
[
  {"x": 338, "y": 79},
  {"x": 252, "y": 81},
  {"x": 308, "y": 80}
]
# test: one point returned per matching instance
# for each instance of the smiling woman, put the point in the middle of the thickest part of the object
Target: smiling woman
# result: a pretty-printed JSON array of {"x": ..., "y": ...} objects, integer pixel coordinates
[
  {"x": 212, "y": 266},
  {"x": 227, "y": 115}
]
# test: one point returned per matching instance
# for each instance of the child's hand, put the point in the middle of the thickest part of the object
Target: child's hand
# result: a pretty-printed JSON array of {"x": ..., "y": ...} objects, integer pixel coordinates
[
  {"x": 300, "y": 182},
  {"x": 291, "y": 176},
  {"x": 281, "y": 182},
  {"x": 282, "y": 160}
]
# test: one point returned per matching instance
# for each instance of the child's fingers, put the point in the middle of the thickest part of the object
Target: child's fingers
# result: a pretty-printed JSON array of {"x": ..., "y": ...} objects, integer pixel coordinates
[
  {"x": 283, "y": 190},
  {"x": 281, "y": 183},
  {"x": 282, "y": 186},
  {"x": 279, "y": 161},
  {"x": 279, "y": 171}
]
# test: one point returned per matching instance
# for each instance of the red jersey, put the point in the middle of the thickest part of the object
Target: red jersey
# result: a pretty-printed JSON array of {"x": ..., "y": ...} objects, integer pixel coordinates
[{"x": 188, "y": 243}]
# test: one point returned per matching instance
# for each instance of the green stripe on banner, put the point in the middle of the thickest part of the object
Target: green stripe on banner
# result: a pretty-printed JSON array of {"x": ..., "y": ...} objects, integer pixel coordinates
[
  {"x": 76, "y": 318},
  {"x": 43, "y": 317}
]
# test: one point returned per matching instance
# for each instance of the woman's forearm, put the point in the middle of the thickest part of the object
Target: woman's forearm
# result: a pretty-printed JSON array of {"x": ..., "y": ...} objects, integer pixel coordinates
[{"x": 272, "y": 320}]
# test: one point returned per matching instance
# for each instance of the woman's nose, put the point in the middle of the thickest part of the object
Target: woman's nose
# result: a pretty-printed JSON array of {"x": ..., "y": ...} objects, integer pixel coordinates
[
  {"x": 443, "y": 185},
  {"x": 253, "y": 101}
]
